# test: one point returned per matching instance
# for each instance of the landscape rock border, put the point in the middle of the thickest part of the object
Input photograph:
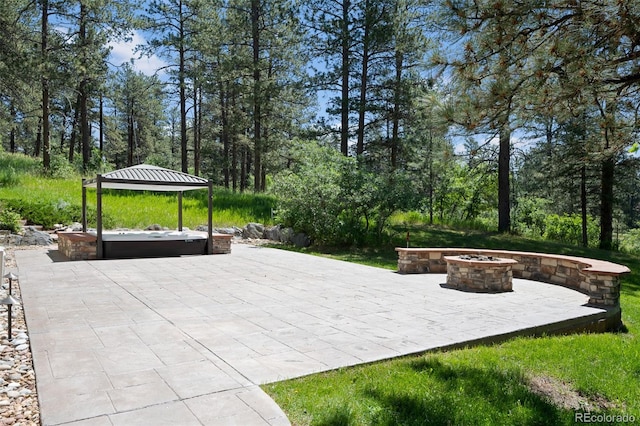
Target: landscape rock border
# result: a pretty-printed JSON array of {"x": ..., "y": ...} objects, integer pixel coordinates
[{"x": 18, "y": 395}]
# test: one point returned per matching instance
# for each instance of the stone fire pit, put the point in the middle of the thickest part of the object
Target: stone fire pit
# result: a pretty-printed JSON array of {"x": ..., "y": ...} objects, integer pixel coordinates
[{"x": 482, "y": 274}]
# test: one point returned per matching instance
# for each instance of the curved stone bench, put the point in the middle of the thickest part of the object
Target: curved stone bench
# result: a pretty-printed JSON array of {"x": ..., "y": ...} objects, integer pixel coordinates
[{"x": 598, "y": 279}]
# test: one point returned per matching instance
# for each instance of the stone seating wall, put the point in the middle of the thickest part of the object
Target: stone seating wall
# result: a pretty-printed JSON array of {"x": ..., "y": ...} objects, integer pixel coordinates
[{"x": 599, "y": 279}]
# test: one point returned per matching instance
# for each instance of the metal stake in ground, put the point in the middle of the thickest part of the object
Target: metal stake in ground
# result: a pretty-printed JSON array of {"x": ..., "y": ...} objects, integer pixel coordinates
[
  {"x": 11, "y": 276},
  {"x": 9, "y": 301}
]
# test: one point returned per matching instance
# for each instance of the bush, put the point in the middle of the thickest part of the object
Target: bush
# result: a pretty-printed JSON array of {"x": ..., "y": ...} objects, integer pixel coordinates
[
  {"x": 49, "y": 214},
  {"x": 630, "y": 241},
  {"x": 309, "y": 194},
  {"x": 59, "y": 167},
  {"x": 10, "y": 220},
  {"x": 9, "y": 177},
  {"x": 336, "y": 200},
  {"x": 530, "y": 216},
  {"x": 14, "y": 166},
  {"x": 568, "y": 229}
]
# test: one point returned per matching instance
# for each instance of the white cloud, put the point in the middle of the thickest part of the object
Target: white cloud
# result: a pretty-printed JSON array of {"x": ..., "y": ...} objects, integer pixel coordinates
[{"x": 124, "y": 51}]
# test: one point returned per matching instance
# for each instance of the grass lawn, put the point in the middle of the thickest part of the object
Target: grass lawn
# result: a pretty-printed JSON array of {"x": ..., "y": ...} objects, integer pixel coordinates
[
  {"x": 524, "y": 381},
  {"x": 138, "y": 209}
]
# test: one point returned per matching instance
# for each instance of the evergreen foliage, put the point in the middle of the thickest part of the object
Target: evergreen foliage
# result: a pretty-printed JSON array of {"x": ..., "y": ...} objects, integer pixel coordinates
[{"x": 488, "y": 111}]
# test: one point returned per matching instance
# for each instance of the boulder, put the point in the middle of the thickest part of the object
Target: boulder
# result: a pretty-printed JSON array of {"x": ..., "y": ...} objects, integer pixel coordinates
[
  {"x": 253, "y": 231},
  {"x": 229, "y": 231},
  {"x": 155, "y": 227},
  {"x": 75, "y": 227},
  {"x": 33, "y": 237},
  {"x": 273, "y": 233},
  {"x": 286, "y": 235},
  {"x": 301, "y": 240}
]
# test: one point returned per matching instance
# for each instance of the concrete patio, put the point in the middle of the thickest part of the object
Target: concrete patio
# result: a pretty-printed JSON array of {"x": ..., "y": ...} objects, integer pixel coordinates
[{"x": 188, "y": 340}]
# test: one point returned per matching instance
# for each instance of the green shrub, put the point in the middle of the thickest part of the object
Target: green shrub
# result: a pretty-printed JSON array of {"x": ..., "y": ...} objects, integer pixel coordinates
[
  {"x": 14, "y": 166},
  {"x": 568, "y": 229},
  {"x": 9, "y": 177},
  {"x": 60, "y": 168},
  {"x": 309, "y": 195},
  {"x": 22, "y": 164},
  {"x": 9, "y": 220},
  {"x": 336, "y": 199},
  {"x": 630, "y": 241},
  {"x": 48, "y": 213},
  {"x": 530, "y": 216}
]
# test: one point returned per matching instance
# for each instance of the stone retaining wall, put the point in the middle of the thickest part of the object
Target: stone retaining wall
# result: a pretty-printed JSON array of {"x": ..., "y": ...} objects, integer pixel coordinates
[{"x": 599, "y": 279}]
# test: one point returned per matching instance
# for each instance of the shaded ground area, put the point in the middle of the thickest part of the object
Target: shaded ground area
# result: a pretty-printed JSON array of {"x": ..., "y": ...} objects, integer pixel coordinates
[{"x": 187, "y": 340}]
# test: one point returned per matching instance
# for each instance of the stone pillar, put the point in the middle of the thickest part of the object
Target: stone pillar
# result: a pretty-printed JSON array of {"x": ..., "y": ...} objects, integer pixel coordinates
[
  {"x": 221, "y": 243},
  {"x": 603, "y": 290}
]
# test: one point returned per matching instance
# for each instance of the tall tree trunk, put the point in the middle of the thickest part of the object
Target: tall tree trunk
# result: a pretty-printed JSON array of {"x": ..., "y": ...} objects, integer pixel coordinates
[
  {"x": 101, "y": 137},
  {"x": 364, "y": 78},
  {"x": 74, "y": 133},
  {"x": 83, "y": 91},
  {"x": 431, "y": 174},
  {"x": 344, "y": 102},
  {"x": 583, "y": 205},
  {"x": 606, "y": 203},
  {"x": 183, "y": 93},
  {"x": 224, "y": 135},
  {"x": 38, "y": 144},
  {"x": 130, "y": 137},
  {"x": 234, "y": 163},
  {"x": 583, "y": 184},
  {"x": 257, "y": 142},
  {"x": 245, "y": 159},
  {"x": 12, "y": 134},
  {"x": 63, "y": 134},
  {"x": 85, "y": 133},
  {"x": 397, "y": 95},
  {"x": 504, "y": 159},
  {"x": 46, "y": 149},
  {"x": 263, "y": 169},
  {"x": 197, "y": 115}
]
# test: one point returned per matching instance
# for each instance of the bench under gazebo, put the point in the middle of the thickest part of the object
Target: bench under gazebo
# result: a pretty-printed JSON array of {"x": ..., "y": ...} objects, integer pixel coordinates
[{"x": 131, "y": 244}]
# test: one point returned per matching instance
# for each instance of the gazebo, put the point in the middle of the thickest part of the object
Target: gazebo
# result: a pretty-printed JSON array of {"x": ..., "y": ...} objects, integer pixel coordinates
[{"x": 145, "y": 177}]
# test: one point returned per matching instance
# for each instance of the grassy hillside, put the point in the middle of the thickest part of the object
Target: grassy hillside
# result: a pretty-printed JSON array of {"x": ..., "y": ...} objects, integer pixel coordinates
[{"x": 45, "y": 201}]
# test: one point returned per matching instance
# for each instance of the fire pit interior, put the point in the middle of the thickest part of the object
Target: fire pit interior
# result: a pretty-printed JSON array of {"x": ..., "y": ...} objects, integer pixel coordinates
[{"x": 477, "y": 273}]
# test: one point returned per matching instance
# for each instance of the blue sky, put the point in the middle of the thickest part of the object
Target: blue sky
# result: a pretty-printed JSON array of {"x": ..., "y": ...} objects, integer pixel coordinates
[{"x": 123, "y": 51}]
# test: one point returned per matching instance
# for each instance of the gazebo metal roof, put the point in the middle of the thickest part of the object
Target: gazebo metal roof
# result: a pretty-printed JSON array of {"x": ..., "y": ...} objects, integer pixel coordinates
[{"x": 145, "y": 177}]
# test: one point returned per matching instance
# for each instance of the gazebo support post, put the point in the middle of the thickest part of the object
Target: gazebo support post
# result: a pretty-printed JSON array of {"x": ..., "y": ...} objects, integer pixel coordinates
[
  {"x": 210, "y": 218},
  {"x": 99, "y": 253},
  {"x": 180, "y": 211},
  {"x": 84, "y": 206}
]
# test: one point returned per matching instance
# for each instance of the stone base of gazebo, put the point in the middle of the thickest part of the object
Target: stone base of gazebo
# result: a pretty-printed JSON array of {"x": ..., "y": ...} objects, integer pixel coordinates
[
  {"x": 77, "y": 245},
  {"x": 83, "y": 245},
  {"x": 222, "y": 243}
]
